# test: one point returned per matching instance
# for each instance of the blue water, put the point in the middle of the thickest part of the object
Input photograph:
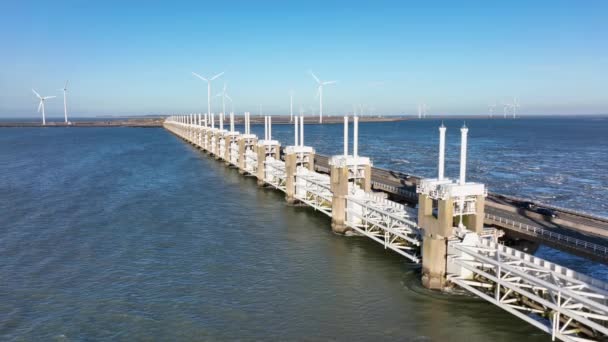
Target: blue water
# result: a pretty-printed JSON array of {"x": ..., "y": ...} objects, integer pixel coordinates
[
  {"x": 559, "y": 161},
  {"x": 131, "y": 234}
]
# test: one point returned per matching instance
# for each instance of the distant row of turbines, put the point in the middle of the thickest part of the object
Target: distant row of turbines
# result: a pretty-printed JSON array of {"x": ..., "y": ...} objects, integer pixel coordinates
[
  {"x": 224, "y": 94},
  {"x": 44, "y": 98},
  {"x": 508, "y": 108}
]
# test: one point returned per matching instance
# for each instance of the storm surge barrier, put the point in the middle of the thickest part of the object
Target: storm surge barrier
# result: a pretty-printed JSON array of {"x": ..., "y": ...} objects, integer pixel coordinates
[{"x": 446, "y": 234}]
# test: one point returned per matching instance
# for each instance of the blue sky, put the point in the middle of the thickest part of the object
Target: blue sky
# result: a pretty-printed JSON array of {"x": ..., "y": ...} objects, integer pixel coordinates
[{"x": 455, "y": 56}]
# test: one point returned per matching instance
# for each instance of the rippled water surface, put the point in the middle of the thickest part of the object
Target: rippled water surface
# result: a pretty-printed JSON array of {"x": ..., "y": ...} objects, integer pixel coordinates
[
  {"x": 131, "y": 234},
  {"x": 560, "y": 161}
]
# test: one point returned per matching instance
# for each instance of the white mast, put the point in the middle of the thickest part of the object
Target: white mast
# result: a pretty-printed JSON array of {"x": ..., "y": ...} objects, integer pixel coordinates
[
  {"x": 208, "y": 87},
  {"x": 320, "y": 93}
]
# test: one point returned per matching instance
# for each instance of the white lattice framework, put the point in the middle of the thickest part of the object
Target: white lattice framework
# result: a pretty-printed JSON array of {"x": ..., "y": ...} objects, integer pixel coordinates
[
  {"x": 388, "y": 223},
  {"x": 275, "y": 173},
  {"x": 557, "y": 300},
  {"x": 314, "y": 189},
  {"x": 251, "y": 161},
  {"x": 234, "y": 153}
]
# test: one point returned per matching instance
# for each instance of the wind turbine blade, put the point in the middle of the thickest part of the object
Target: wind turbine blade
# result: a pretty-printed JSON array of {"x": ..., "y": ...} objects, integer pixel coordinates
[
  {"x": 39, "y": 106},
  {"x": 228, "y": 97},
  {"x": 216, "y": 76},
  {"x": 329, "y": 82},
  {"x": 65, "y": 87},
  {"x": 48, "y": 97},
  {"x": 315, "y": 77},
  {"x": 35, "y": 93},
  {"x": 219, "y": 94},
  {"x": 199, "y": 76}
]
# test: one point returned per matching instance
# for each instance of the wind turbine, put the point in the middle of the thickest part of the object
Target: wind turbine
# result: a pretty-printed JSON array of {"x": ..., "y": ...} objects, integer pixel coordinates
[
  {"x": 505, "y": 107},
  {"x": 514, "y": 106},
  {"x": 291, "y": 106},
  {"x": 492, "y": 107},
  {"x": 208, "y": 88},
  {"x": 41, "y": 105},
  {"x": 320, "y": 93},
  {"x": 65, "y": 104},
  {"x": 224, "y": 95}
]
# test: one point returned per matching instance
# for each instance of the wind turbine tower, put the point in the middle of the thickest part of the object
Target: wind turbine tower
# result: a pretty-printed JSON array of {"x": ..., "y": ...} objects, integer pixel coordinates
[
  {"x": 208, "y": 87},
  {"x": 65, "y": 103},
  {"x": 514, "y": 106},
  {"x": 224, "y": 96},
  {"x": 291, "y": 106},
  {"x": 320, "y": 93},
  {"x": 492, "y": 107},
  {"x": 41, "y": 105}
]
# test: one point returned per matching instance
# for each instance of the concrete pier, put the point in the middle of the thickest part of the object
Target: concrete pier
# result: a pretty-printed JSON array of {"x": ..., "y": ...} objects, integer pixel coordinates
[
  {"x": 446, "y": 234},
  {"x": 339, "y": 188},
  {"x": 447, "y": 209}
]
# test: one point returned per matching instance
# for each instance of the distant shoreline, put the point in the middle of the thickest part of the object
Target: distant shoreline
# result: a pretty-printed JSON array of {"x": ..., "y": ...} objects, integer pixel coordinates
[{"x": 157, "y": 121}]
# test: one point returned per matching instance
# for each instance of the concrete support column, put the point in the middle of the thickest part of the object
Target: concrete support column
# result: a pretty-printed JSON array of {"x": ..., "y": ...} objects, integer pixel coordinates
[
  {"x": 474, "y": 223},
  {"x": 242, "y": 145},
  {"x": 339, "y": 188},
  {"x": 218, "y": 137},
  {"x": 437, "y": 230},
  {"x": 311, "y": 162},
  {"x": 227, "y": 144},
  {"x": 366, "y": 182},
  {"x": 290, "y": 174},
  {"x": 208, "y": 137},
  {"x": 261, "y": 174}
]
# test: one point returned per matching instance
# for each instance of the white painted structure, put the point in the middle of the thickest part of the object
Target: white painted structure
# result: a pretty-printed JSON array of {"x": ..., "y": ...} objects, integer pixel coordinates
[
  {"x": 568, "y": 305},
  {"x": 41, "y": 105}
]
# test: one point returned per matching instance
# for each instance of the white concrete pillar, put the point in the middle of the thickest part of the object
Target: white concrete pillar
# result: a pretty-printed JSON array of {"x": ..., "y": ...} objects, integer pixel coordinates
[
  {"x": 441, "y": 166},
  {"x": 463, "y": 154}
]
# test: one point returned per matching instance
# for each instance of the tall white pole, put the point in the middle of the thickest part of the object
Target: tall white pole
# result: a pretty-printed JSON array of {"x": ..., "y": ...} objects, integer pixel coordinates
[
  {"x": 269, "y": 127},
  {"x": 321, "y": 104},
  {"x": 224, "y": 101},
  {"x": 65, "y": 106},
  {"x": 212, "y": 120},
  {"x": 302, "y": 130},
  {"x": 291, "y": 107},
  {"x": 346, "y": 136},
  {"x": 221, "y": 121},
  {"x": 43, "y": 116},
  {"x": 232, "y": 122},
  {"x": 440, "y": 168},
  {"x": 208, "y": 96},
  {"x": 356, "y": 137},
  {"x": 295, "y": 131},
  {"x": 463, "y": 154}
]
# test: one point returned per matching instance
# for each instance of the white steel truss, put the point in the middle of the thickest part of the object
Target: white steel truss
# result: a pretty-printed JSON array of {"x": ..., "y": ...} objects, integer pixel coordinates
[
  {"x": 251, "y": 161},
  {"x": 275, "y": 173},
  {"x": 234, "y": 153},
  {"x": 314, "y": 189},
  {"x": 557, "y": 300},
  {"x": 385, "y": 222}
]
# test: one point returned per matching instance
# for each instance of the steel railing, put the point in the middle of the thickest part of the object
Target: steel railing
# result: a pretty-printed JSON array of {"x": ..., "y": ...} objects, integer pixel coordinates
[{"x": 541, "y": 232}]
